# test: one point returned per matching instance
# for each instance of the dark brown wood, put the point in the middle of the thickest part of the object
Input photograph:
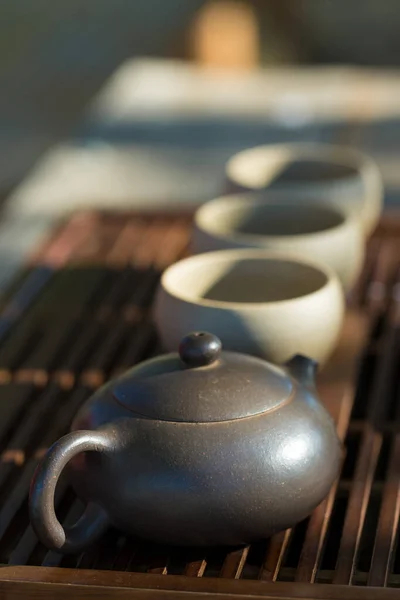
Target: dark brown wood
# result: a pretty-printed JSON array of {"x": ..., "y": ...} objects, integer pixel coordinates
[
  {"x": 95, "y": 372},
  {"x": 387, "y": 529},
  {"x": 71, "y": 237},
  {"x": 24, "y": 298},
  {"x": 382, "y": 276},
  {"x": 273, "y": 560},
  {"x": 54, "y": 559},
  {"x": 131, "y": 235},
  {"x": 357, "y": 507},
  {"x": 195, "y": 568},
  {"x": 83, "y": 583},
  {"x": 338, "y": 395},
  {"x": 234, "y": 563},
  {"x": 112, "y": 262},
  {"x": 382, "y": 559},
  {"x": 19, "y": 491},
  {"x": 118, "y": 294},
  {"x": 367, "y": 460},
  {"x": 14, "y": 399},
  {"x": 141, "y": 341}
]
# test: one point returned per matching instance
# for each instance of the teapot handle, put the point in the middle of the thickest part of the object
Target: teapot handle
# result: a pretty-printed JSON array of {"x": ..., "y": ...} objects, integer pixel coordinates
[{"x": 47, "y": 527}]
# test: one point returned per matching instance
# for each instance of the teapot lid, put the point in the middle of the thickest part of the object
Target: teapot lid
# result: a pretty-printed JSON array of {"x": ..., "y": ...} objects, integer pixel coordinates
[{"x": 202, "y": 383}]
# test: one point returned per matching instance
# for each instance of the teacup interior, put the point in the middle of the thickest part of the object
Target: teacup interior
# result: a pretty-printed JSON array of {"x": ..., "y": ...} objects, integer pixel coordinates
[
  {"x": 270, "y": 220},
  {"x": 260, "y": 167},
  {"x": 313, "y": 171},
  {"x": 246, "y": 280}
]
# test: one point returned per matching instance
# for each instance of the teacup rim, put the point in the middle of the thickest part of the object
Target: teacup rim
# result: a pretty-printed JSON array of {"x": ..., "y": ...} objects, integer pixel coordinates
[
  {"x": 337, "y": 154},
  {"x": 331, "y": 279},
  {"x": 259, "y": 201}
]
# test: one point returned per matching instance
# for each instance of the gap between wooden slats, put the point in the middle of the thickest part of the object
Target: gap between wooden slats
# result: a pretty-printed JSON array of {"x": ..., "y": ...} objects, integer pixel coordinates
[
  {"x": 99, "y": 364},
  {"x": 366, "y": 464},
  {"x": 37, "y": 367},
  {"x": 65, "y": 374},
  {"x": 123, "y": 559},
  {"x": 385, "y": 540},
  {"x": 104, "y": 354},
  {"x": 129, "y": 238},
  {"x": 67, "y": 243},
  {"x": 176, "y": 244},
  {"x": 52, "y": 558},
  {"x": 95, "y": 373},
  {"x": 57, "y": 336},
  {"x": 99, "y": 241},
  {"x": 318, "y": 526},
  {"x": 379, "y": 288},
  {"x": 17, "y": 495},
  {"x": 93, "y": 331},
  {"x": 28, "y": 541},
  {"x": 388, "y": 522},
  {"x": 338, "y": 402},
  {"x": 234, "y": 563},
  {"x": 163, "y": 244},
  {"x": 23, "y": 438},
  {"x": 25, "y": 297},
  {"x": 195, "y": 568},
  {"x": 357, "y": 295},
  {"x": 55, "y": 253},
  {"x": 14, "y": 404},
  {"x": 117, "y": 295},
  {"x": 201, "y": 564},
  {"x": 95, "y": 250},
  {"x": 276, "y": 551},
  {"x": 139, "y": 302},
  {"x": 337, "y": 394}
]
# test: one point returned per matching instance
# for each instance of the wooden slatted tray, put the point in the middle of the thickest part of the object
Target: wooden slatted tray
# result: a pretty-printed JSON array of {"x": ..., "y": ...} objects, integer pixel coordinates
[{"x": 80, "y": 313}]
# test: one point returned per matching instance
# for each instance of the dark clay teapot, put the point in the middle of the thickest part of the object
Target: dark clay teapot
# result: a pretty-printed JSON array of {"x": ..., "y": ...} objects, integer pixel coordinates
[{"x": 202, "y": 447}]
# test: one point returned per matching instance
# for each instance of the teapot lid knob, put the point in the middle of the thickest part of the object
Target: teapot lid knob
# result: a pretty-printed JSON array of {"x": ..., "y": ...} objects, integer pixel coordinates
[{"x": 199, "y": 349}]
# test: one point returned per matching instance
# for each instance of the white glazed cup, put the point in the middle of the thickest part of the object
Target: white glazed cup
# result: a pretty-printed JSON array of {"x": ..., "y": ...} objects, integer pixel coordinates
[
  {"x": 308, "y": 231},
  {"x": 326, "y": 173},
  {"x": 256, "y": 302}
]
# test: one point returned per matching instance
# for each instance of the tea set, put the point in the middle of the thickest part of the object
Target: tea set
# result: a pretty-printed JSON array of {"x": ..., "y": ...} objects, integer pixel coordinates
[
  {"x": 269, "y": 305},
  {"x": 223, "y": 439}
]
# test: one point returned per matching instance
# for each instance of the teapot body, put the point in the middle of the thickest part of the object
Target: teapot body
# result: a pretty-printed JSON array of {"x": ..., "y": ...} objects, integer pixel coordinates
[
  {"x": 198, "y": 448},
  {"x": 230, "y": 482}
]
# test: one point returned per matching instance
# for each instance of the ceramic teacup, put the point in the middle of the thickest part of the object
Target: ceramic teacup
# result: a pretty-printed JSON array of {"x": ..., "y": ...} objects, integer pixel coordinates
[
  {"x": 264, "y": 304},
  {"x": 322, "y": 172},
  {"x": 311, "y": 231}
]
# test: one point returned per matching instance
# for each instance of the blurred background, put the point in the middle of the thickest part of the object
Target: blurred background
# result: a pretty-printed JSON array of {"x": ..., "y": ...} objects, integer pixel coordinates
[{"x": 111, "y": 103}]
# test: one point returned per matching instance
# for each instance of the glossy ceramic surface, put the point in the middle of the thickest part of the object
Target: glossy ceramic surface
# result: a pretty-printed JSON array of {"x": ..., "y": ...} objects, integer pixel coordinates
[
  {"x": 255, "y": 301},
  {"x": 242, "y": 449},
  {"x": 310, "y": 231},
  {"x": 325, "y": 173}
]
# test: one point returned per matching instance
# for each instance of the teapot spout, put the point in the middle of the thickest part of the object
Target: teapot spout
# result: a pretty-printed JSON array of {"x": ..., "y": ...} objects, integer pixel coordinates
[{"x": 303, "y": 369}]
